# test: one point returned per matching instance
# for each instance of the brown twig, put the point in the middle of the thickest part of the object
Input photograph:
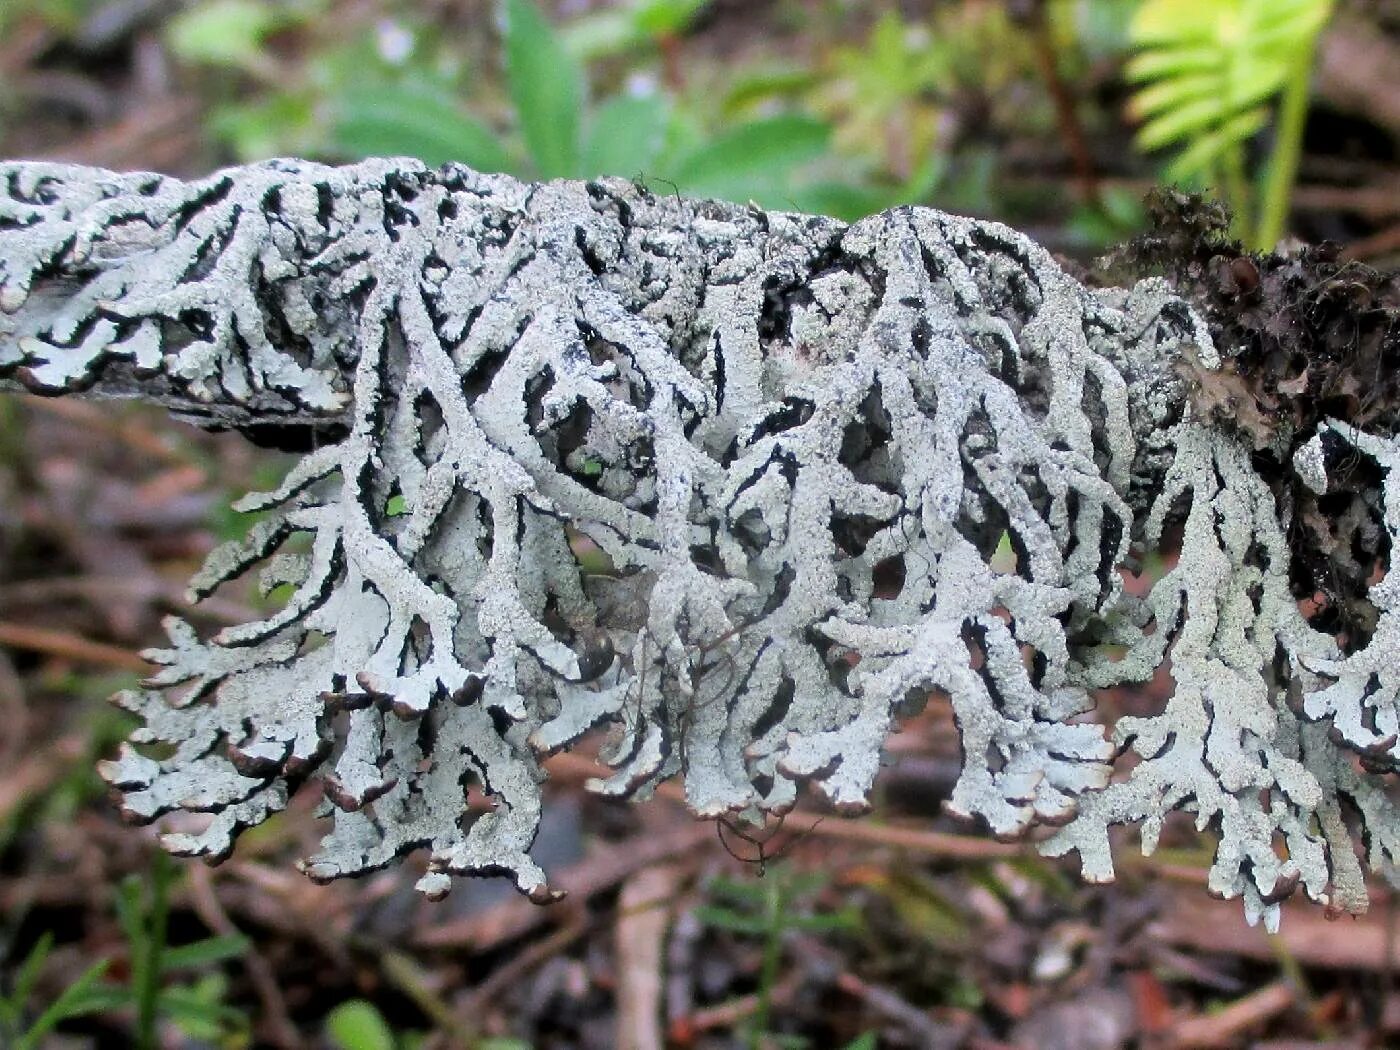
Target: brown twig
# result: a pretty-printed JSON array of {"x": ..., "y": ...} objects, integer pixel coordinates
[
  {"x": 38, "y": 772},
  {"x": 1214, "y": 927},
  {"x": 1066, "y": 113},
  {"x": 106, "y": 589},
  {"x": 480, "y": 998},
  {"x": 1377, "y": 244},
  {"x": 1226, "y": 1027},
  {"x": 69, "y": 646},
  {"x": 205, "y": 901},
  {"x": 601, "y": 870},
  {"x": 643, "y": 916},
  {"x": 14, "y": 712},
  {"x": 929, "y": 843}
]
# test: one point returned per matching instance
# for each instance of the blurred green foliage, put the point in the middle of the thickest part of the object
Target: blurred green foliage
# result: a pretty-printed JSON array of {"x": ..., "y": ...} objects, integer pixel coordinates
[
  {"x": 631, "y": 27},
  {"x": 396, "y": 91},
  {"x": 770, "y": 908},
  {"x": 61, "y": 14},
  {"x": 148, "y": 995},
  {"x": 1205, "y": 75},
  {"x": 928, "y": 109},
  {"x": 357, "y": 1024}
]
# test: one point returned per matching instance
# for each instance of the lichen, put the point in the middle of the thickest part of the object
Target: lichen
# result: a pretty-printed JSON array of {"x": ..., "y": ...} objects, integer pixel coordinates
[{"x": 727, "y": 484}]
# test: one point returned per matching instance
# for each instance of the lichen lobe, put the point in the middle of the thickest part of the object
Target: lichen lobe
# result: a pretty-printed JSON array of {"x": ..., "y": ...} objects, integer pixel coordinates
[{"x": 727, "y": 484}]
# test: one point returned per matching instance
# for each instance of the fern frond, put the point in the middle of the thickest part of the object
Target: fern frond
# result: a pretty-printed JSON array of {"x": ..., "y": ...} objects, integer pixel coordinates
[{"x": 1205, "y": 73}]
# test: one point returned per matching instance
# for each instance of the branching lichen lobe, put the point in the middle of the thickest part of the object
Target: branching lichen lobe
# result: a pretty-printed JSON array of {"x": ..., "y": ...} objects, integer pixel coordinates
[{"x": 727, "y": 483}]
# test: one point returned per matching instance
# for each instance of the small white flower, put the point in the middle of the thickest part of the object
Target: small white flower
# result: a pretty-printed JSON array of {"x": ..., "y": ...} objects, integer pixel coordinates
[{"x": 393, "y": 41}]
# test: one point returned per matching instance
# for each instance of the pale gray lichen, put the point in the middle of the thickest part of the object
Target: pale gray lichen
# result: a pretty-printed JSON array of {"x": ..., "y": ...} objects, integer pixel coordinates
[{"x": 728, "y": 483}]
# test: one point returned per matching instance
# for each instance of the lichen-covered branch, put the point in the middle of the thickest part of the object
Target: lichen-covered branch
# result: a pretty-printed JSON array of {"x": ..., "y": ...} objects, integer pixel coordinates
[{"x": 724, "y": 482}]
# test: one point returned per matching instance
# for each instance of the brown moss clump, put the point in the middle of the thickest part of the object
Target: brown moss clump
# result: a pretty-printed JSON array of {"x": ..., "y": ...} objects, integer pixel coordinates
[{"x": 1303, "y": 336}]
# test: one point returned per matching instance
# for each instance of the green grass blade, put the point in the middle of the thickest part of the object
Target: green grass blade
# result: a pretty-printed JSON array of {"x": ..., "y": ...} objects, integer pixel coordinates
[
  {"x": 625, "y": 136},
  {"x": 204, "y": 953},
  {"x": 753, "y": 159},
  {"x": 70, "y": 1003},
  {"x": 414, "y": 120},
  {"x": 547, "y": 87}
]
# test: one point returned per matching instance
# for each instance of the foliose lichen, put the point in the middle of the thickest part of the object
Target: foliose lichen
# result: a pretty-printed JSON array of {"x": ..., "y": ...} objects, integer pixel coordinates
[{"x": 727, "y": 483}]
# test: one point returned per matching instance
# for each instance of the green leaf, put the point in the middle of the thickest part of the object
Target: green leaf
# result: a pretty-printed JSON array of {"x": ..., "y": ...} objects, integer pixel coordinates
[
  {"x": 1206, "y": 72},
  {"x": 279, "y": 125},
  {"x": 1166, "y": 96},
  {"x": 751, "y": 87},
  {"x": 1116, "y": 216},
  {"x": 75, "y": 1000},
  {"x": 413, "y": 120},
  {"x": 203, "y": 953},
  {"x": 1207, "y": 149},
  {"x": 622, "y": 28},
  {"x": 1151, "y": 65},
  {"x": 784, "y": 1041},
  {"x": 867, "y": 1041},
  {"x": 600, "y": 34},
  {"x": 129, "y": 905},
  {"x": 358, "y": 1025},
  {"x": 225, "y": 32},
  {"x": 756, "y": 160},
  {"x": 842, "y": 200},
  {"x": 725, "y": 919},
  {"x": 749, "y": 891},
  {"x": 1185, "y": 120},
  {"x": 99, "y": 999},
  {"x": 546, "y": 85},
  {"x": 828, "y": 922},
  {"x": 853, "y": 202},
  {"x": 625, "y": 136},
  {"x": 27, "y": 974},
  {"x": 666, "y": 17},
  {"x": 198, "y": 1007}
]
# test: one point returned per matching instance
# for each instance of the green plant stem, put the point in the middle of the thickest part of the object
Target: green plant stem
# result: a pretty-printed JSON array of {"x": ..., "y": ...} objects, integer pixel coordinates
[
  {"x": 146, "y": 978},
  {"x": 1237, "y": 189},
  {"x": 1282, "y": 170},
  {"x": 774, "y": 902}
]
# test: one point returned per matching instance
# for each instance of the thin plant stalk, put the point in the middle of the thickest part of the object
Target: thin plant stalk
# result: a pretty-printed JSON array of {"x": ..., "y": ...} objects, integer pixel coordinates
[
  {"x": 1237, "y": 187},
  {"x": 146, "y": 978},
  {"x": 1282, "y": 170},
  {"x": 774, "y": 903}
]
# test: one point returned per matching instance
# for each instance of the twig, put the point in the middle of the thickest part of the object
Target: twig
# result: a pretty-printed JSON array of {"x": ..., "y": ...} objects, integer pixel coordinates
[
  {"x": 1316, "y": 942},
  {"x": 930, "y": 843},
  {"x": 727, "y": 1014},
  {"x": 479, "y": 999},
  {"x": 93, "y": 420},
  {"x": 600, "y": 871},
  {"x": 156, "y": 137},
  {"x": 1227, "y": 1026},
  {"x": 407, "y": 976},
  {"x": 1382, "y": 243},
  {"x": 104, "y": 589},
  {"x": 38, "y": 772},
  {"x": 1066, "y": 115},
  {"x": 894, "y": 1007},
  {"x": 14, "y": 712},
  {"x": 69, "y": 646},
  {"x": 205, "y": 901},
  {"x": 644, "y": 913}
]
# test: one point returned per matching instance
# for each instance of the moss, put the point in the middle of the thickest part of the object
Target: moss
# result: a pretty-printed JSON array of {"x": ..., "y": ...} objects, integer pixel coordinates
[{"x": 1304, "y": 337}]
